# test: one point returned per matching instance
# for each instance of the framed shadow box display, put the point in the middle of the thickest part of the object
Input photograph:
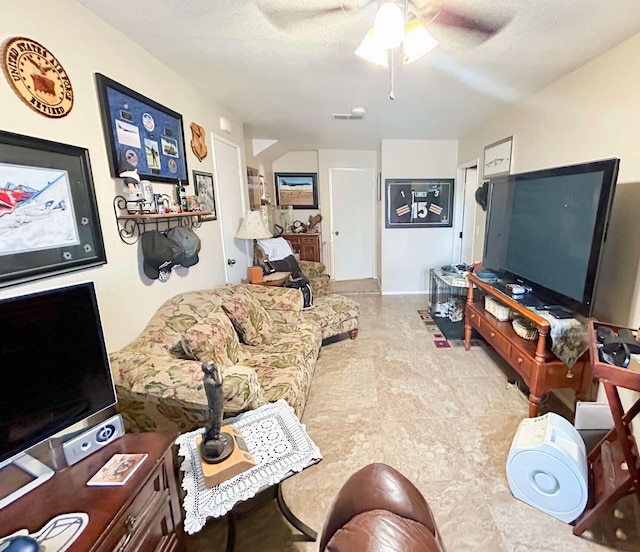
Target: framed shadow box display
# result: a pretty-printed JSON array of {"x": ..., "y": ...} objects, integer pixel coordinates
[
  {"x": 141, "y": 134},
  {"x": 49, "y": 220},
  {"x": 419, "y": 203}
]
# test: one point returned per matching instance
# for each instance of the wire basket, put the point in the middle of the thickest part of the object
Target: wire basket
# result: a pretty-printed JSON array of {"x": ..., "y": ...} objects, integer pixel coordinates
[
  {"x": 525, "y": 329},
  {"x": 500, "y": 311}
]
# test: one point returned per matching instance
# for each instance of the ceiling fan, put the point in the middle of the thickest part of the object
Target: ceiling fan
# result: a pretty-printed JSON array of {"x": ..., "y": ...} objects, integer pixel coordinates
[{"x": 476, "y": 28}]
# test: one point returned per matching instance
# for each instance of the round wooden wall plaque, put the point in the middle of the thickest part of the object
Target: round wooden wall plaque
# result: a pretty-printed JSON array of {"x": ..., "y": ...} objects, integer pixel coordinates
[{"x": 37, "y": 77}]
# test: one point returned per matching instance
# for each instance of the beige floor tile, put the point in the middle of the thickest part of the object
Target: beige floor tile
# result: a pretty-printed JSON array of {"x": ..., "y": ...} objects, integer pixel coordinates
[
  {"x": 443, "y": 417},
  {"x": 425, "y": 449}
]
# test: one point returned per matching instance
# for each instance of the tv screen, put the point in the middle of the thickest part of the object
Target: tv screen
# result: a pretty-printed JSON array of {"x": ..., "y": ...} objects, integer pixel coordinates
[
  {"x": 545, "y": 229},
  {"x": 54, "y": 369}
]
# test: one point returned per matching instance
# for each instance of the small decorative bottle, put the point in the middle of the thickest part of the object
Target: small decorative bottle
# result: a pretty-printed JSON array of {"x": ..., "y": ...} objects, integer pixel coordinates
[{"x": 182, "y": 197}]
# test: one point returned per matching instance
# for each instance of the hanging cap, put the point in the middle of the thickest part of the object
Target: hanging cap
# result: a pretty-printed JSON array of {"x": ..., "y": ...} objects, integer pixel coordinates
[
  {"x": 482, "y": 195},
  {"x": 159, "y": 254},
  {"x": 188, "y": 243}
]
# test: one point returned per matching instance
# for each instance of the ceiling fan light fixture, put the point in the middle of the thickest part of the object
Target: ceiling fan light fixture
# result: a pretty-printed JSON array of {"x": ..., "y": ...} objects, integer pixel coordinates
[
  {"x": 417, "y": 41},
  {"x": 388, "y": 26},
  {"x": 371, "y": 50}
]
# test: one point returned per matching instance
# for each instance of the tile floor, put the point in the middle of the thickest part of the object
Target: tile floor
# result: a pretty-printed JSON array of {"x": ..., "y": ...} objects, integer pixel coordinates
[{"x": 443, "y": 417}]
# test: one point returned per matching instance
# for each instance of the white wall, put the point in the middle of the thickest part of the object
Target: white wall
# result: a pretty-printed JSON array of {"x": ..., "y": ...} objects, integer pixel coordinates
[
  {"x": 84, "y": 45},
  {"x": 589, "y": 114},
  {"x": 409, "y": 253}
]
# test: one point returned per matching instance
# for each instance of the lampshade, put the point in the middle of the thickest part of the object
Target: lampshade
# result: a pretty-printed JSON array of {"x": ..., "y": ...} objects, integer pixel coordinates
[
  {"x": 417, "y": 41},
  {"x": 388, "y": 26},
  {"x": 253, "y": 227},
  {"x": 371, "y": 50}
]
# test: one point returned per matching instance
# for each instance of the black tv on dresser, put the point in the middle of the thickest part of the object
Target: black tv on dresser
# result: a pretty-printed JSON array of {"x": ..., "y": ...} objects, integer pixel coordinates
[
  {"x": 545, "y": 230},
  {"x": 54, "y": 372}
]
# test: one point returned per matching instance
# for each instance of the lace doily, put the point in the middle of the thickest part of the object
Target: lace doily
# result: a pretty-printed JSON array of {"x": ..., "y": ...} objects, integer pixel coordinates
[{"x": 280, "y": 447}]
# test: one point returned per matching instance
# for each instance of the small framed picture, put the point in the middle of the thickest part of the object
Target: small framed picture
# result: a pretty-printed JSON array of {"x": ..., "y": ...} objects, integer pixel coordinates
[
  {"x": 298, "y": 190},
  {"x": 203, "y": 186},
  {"x": 497, "y": 158}
]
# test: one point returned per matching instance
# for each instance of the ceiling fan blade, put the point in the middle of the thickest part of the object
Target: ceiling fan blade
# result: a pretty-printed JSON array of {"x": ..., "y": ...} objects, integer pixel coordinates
[
  {"x": 476, "y": 28},
  {"x": 289, "y": 19},
  {"x": 477, "y": 24},
  {"x": 284, "y": 15}
]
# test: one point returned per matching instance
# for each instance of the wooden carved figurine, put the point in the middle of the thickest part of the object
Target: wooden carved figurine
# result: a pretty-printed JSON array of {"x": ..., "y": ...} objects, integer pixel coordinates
[{"x": 198, "y": 141}]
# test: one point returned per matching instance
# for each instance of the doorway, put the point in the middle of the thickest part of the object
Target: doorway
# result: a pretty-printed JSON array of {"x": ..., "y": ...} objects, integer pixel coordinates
[
  {"x": 465, "y": 245},
  {"x": 227, "y": 166},
  {"x": 353, "y": 223}
]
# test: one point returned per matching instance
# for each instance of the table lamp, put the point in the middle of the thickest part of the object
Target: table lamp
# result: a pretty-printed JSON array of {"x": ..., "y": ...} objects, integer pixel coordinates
[{"x": 253, "y": 228}]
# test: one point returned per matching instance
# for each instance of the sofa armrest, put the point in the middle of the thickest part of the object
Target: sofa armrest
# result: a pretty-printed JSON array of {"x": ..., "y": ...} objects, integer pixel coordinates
[
  {"x": 180, "y": 379},
  {"x": 312, "y": 269}
]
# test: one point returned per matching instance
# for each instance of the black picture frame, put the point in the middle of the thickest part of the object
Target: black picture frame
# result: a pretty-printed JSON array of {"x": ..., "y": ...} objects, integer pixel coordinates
[
  {"x": 141, "y": 134},
  {"x": 419, "y": 203},
  {"x": 49, "y": 222},
  {"x": 306, "y": 194},
  {"x": 205, "y": 193}
]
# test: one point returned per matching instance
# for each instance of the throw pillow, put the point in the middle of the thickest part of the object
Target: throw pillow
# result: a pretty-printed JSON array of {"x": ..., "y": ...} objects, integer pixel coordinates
[
  {"x": 250, "y": 319},
  {"x": 213, "y": 339}
]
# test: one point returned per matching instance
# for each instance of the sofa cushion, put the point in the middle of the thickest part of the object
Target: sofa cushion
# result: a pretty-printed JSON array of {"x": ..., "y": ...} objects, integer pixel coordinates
[
  {"x": 214, "y": 339},
  {"x": 334, "y": 314},
  {"x": 250, "y": 319},
  {"x": 167, "y": 394}
]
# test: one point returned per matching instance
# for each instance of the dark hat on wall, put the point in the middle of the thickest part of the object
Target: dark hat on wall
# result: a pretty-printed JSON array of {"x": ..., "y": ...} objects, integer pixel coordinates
[
  {"x": 482, "y": 195},
  {"x": 188, "y": 243},
  {"x": 159, "y": 254}
]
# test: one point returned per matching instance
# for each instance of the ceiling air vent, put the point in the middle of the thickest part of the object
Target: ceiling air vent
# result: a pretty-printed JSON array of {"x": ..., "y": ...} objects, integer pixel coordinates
[{"x": 357, "y": 114}]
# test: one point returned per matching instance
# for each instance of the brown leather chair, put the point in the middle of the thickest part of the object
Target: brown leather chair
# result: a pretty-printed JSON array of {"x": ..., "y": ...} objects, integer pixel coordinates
[{"x": 379, "y": 510}]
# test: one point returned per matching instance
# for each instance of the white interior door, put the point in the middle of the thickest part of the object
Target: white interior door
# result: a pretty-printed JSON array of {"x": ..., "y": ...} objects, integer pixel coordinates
[
  {"x": 227, "y": 164},
  {"x": 353, "y": 222},
  {"x": 469, "y": 215}
]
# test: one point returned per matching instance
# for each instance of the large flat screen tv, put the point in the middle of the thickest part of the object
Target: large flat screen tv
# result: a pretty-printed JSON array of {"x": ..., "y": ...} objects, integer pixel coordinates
[
  {"x": 54, "y": 368},
  {"x": 545, "y": 229}
]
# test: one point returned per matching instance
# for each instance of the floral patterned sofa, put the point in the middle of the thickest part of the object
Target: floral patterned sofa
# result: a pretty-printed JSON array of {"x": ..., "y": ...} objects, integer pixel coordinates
[{"x": 265, "y": 342}]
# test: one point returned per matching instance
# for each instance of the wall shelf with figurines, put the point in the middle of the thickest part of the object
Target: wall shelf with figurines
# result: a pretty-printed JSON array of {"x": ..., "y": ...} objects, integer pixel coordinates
[{"x": 133, "y": 221}]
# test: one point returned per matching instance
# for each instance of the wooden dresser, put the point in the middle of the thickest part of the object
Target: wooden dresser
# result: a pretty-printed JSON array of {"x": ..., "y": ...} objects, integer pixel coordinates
[
  {"x": 306, "y": 245},
  {"x": 142, "y": 515}
]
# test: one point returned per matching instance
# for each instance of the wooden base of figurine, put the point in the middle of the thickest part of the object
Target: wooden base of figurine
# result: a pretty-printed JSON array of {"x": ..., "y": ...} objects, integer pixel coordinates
[{"x": 239, "y": 461}]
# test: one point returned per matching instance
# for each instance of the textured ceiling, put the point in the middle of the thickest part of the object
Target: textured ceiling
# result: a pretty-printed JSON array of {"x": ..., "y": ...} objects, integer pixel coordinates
[{"x": 284, "y": 71}]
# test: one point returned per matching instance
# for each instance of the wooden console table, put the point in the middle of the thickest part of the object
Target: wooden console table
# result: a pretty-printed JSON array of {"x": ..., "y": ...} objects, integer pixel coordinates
[
  {"x": 613, "y": 463},
  {"x": 143, "y": 514},
  {"x": 534, "y": 361}
]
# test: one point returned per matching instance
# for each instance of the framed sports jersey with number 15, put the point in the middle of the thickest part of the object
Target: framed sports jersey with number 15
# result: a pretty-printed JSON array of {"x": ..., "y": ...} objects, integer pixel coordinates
[{"x": 419, "y": 203}]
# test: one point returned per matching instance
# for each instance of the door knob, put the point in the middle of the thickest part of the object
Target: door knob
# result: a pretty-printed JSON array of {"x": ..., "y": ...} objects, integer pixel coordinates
[
  {"x": 231, "y": 262},
  {"x": 337, "y": 233}
]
